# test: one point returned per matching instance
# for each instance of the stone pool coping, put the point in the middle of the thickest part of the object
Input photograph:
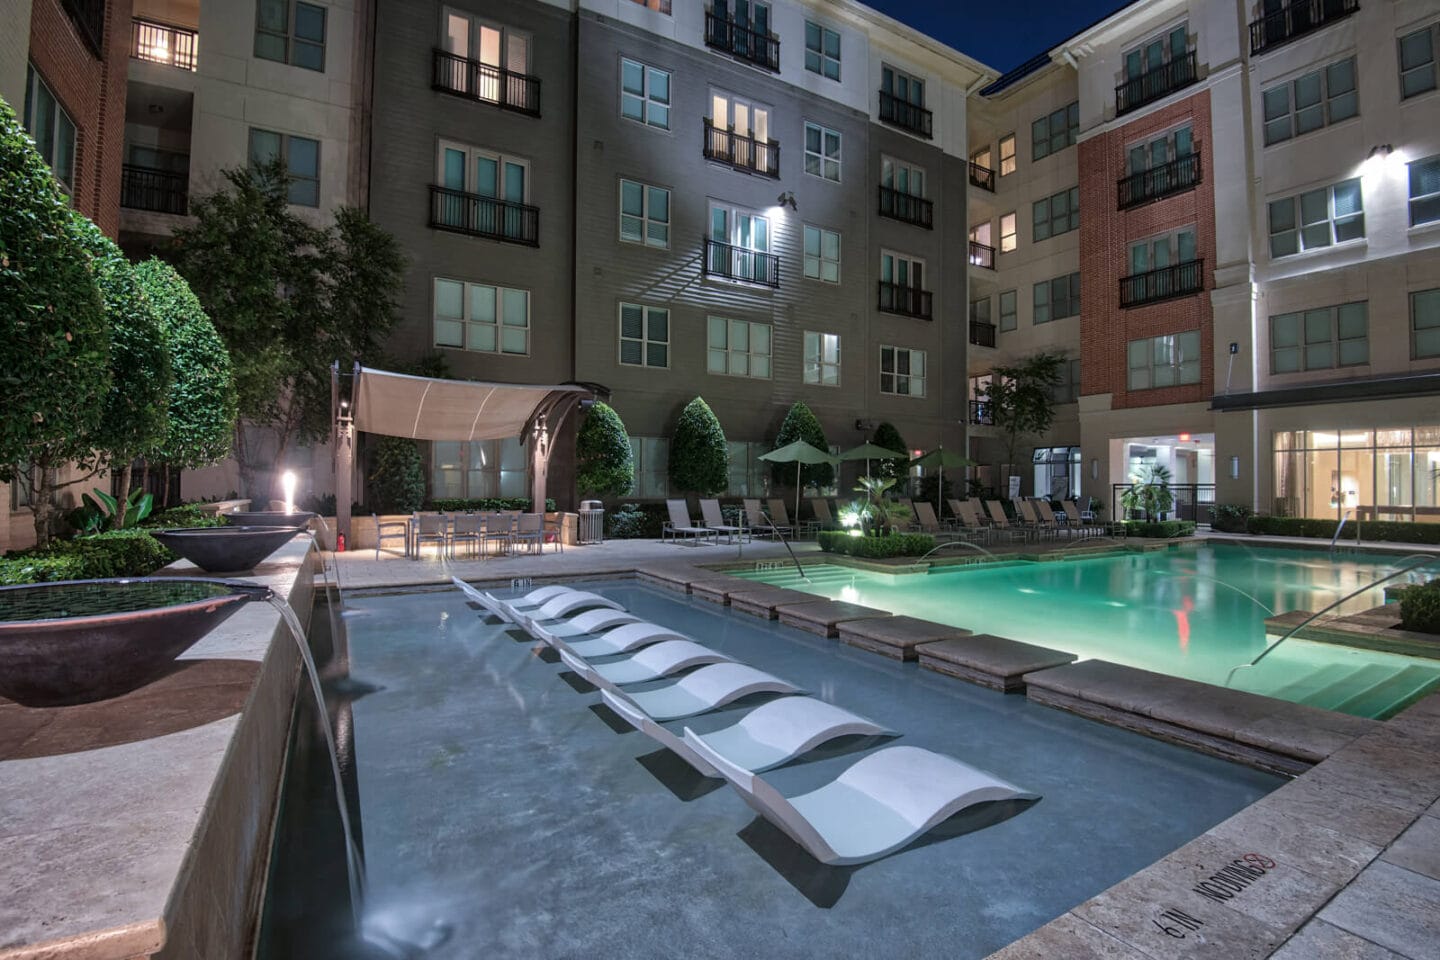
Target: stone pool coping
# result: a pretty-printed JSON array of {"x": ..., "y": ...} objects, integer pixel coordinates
[{"x": 157, "y": 847}]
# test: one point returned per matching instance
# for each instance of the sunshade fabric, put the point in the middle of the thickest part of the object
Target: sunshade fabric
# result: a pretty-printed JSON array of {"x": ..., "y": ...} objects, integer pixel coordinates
[
  {"x": 798, "y": 452},
  {"x": 942, "y": 458},
  {"x": 423, "y": 408},
  {"x": 870, "y": 451}
]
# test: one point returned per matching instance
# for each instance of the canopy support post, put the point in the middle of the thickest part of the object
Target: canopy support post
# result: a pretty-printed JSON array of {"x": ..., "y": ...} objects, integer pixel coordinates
[
  {"x": 344, "y": 472},
  {"x": 539, "y": 463}
]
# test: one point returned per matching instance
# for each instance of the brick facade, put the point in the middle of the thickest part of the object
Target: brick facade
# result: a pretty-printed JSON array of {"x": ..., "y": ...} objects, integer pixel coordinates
[
  {"x": 92, "y": 90},
  {"x": 1105, "y": 237}
]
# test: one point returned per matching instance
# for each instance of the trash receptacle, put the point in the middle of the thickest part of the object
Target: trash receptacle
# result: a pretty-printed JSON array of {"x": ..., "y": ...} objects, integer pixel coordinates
[{"x": 592, "y": 522}]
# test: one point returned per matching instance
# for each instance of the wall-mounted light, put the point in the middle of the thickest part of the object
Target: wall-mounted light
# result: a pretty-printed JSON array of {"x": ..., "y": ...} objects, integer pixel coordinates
[
  {"x": 1382, "y": 159},
  {"x": 787, "y": 198},
  {"x": 1380, "y": 150},
  {"x": 1234, "y": 468}
]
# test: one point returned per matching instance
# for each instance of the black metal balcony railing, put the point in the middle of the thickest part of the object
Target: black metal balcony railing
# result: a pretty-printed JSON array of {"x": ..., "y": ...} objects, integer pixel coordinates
[
  {"x": 506, "y": 89},
  {"x": 1156, "y": 83},
  {"x": 145, "y": 188},
  {"x": 906, "y": 115},
  {"x": 982, "y": 335},
  {"x": 910, "y": 209},
  {"x": 489, "y": 217},
  {"x": 1166, "y": 283},
  {"x": 164, "y": 43},
  {"x": 982, "y": 177},
  {"x": 1295, "y": 19},
  {"x": 89, "y": 19},
  {"x": 980, "y": 411},
  {"x": 745, "y": 154},
  {"x": 982, "y": 255},
  {"x": 910, "y": 301},
  {"x": 1177, "y": 176},
  {"x": 742, "y": 42},
  {"x": 731, "y": 262}
]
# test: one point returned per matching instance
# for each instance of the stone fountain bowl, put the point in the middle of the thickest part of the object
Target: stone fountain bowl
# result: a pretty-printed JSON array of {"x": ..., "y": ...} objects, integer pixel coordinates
[
  {"x": 78, "y": 641},
  {"x": 271, "y": 518},
  {"x": 230, "y": 549}
]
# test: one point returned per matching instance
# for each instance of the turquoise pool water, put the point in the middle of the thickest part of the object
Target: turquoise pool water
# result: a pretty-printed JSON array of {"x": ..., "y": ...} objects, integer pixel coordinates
[{"x": 1192, "y": 612}]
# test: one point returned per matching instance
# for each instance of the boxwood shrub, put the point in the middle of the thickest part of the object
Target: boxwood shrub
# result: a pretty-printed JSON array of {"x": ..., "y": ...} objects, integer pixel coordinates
[
  {"x": 185, "y": 515},
  {"x": 1390, "y": 531},
  {"x": 1160, "y": 528},
  {"x": 1420, "y": 608},
  {"x": 119, "y": 553},
  {"x": 895, "y": 545},
  {"x": 1230, "y": 517},
  {"x": 635, "y": 521}
]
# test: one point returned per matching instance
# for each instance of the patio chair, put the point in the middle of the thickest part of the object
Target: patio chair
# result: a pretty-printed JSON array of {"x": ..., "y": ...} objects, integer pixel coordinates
[
  {"x": 781, "y": 516},
  {"x": 969, "y": 525},
  {"x": 1049, "y": 521},
  {"x": 757, "y": 521},
  {"x": 1030, "y": 519},
  {"x": 771, "y": 734},
  {"x": 821, "y": 508},
  {"x": 558, "y": 606},
  {"x": 497, "y": 529},
  {"x": 925, "y": 514},
  {"x": 464, "y": 528},
  {"x": 431, "y": 527},
  {"x": 706, "y": 689},
  {"x": 679, "y": 524},
  {"x": 914, "y": 521},
  {"x": 529, "y": 532},
  {"x": 583, "y": 626},
  {"x": 715, "y": 520},
  {"x": 1000, "y": 523},
  {"x": 625, "y": 638},
  {"x": 880, "y": 804},
  {"x": 1076, "y": 519},
  {"x": 652, "y": 663},
  {"x": 390, "y": 528}
]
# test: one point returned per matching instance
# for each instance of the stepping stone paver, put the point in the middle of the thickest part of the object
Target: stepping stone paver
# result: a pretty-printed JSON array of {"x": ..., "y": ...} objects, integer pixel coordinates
[
  {"x": 895, "y": 637},
  {"x": 995, "y": 662}
]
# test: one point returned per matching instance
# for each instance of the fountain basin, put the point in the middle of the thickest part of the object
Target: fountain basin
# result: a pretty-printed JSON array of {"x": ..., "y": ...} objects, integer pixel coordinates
[
  {"x": 78, "y": 641},
  {"x": 230, "y": 549},
  {"x": 272, "y": 518}
]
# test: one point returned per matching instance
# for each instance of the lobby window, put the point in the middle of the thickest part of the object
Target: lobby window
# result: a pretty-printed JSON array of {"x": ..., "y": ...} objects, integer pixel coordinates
[
  {"x": 1053, "y": 133},
  {"x": 1009, "y": 303},
  {"x": 1425, "y": 191},
  {"x": 291, "y": 32},
  {"x": 822, "y": 254},
  {"x": 51, "y": 128},
  {"x": 644, "y": 336},
  {"x": 822, "y": 50},
  {"x": 822, "y": 152},
  {"x": 479, "y": 468},
  {"x": 1320, "y": 339},
  {"x": 301, "y": 157},
  {"x": 1417, "y": 61},
  {"x": 1056, "y": 299},
  {"x": 1166, "y": 361},
  {"x": 1007, "y": 154},
  {"x": 1317, "y": 218},
  {"x": 1057, "y": 214},
  {"x": 651, "y": 456},
  {"x": 1008, "y": 241},
  {"x": 481, "y": 317},
  {"x": 644, "y": 94},
  {"x": 738, "y": 348},
  {"x": 822, "y": 359},
  {"x": 644, "y": 214},
  {"x": 902, "y": 371},
  {"x": 1425, "y": 324},
  {"x": 1310, "y": 102}
]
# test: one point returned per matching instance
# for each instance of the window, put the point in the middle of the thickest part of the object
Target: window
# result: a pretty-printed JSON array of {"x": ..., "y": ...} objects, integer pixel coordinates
[
  {"x": 644, "y": 214},
  {"x": 901, "y": 270},
  {"x": 738, "y": 348},
  {"x": 739, "y": 247},
  {"x": 659, "y": 6},
  {"x": 1057, "y": 299},
  {"x": 1154, "y": 53},
  {"x": 980, "y": 310},
  {"x": 902, "y": 372},
  {"x": 291, "y": 33},
  {"x": 902, "y": 86},
  {"x": 1324, "y": 216},
  {"x": 652, "y": 461},
  {"x": 822, "y": 152},
  {"x": 1320, "y": 339},
  {"x": 1007, "y": 232},
  {"x": 644, "y": 94},
  {"x": 822, "y": 254},
  {"x": 981, "y": 158},
  {"x": 22, "y": 487},
  {"x": 1009, "y": 308},
  {"x": 1067, "y": 388},
  {"x": 1156, "y": 253},
  {"x": 51, "y": 128},
  {"x": 1007, "y": 154},
  {"x": 822, "y": 359},
  {"x": 644, "y": 336},
  {"x": 740, "y": 134},
  {"x": 1164, "y": 361},
  {"x": 1056, "y": 132},
  {"x": 1057, "y": 214},
  {"x": 902, "y": 177},
  {"x": 1425, "y": 191},
  {"x": 822, "y": 50},
  {"x": 1425, "y": 324},
  {"x": 481, "y": 317},
  {"x": 981, "y": 234},
  {"x": 485, "y": 192},
  {"x": 300, "y": 156},
  {"x": 1158, "y": 151},
  {"x": 1310, "y": 102},
  {"x": 749, "y": 475},
  {"x": 497, "y": 48},
  {"x": 1417, "y": 62},
  {"x": 479, "y": 468}
]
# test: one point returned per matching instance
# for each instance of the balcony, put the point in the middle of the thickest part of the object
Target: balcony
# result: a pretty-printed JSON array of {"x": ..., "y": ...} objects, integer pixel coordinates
[
  {"x": 474, "y": 80},
  {"x": 982, "y": 177},
  {"x": 980, "y": 410},
  {"x": 1295, "y": 19},
  {"x": 89, "y": 19},
  {"x": 164, "y": 43},
  {"x": 743, "y": 153},
  {"x": 905, "y": 115},
  {"x": 907, "y": 208},
  {"x": 1166, "y": 283},
  {"x": 488, "y": 217},
  {"x": 730, "y": 262},
  {"x": 1177, "y": 176},
  {"x": 742, "y": 42},
  {"x": 982, "y": 335},
  {"x": 982, "y": 255},
  {"x": 907, "y": 301},
  {"x": 1154, "y": 84},
  {"x": 160, "y": 191}
]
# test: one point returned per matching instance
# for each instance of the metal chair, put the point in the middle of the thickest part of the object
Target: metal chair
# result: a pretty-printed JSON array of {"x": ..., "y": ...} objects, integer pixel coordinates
[
  {"x": 465, "y": 528},
  {"x": 430, "y": 526},
  {"x": 390, "y": 528},
  {"x": 530, "y": 530},
  {"x": 497, "y": 529}
]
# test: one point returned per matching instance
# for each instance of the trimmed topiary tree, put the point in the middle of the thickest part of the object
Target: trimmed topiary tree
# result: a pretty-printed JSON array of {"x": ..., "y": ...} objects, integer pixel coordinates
[
  {"x": 699, "y": 462},
  {"x": 888, "y": 437},
  {"x": 397, "y": 479},
  {"x": 802, "y": 424},
  {"x": 604, "y": 463}
]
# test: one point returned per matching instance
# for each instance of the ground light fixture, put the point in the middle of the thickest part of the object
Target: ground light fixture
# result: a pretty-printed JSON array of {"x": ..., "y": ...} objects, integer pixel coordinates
[{"x": 287, "y": 483}]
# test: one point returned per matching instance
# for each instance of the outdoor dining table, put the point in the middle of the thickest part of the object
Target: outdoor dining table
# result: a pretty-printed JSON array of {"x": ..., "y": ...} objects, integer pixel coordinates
[{"x": 551, "y": 528}]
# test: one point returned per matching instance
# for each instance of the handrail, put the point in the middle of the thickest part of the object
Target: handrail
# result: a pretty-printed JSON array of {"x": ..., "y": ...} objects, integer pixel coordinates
[
  {"x": 785, "y": 543},
  {"x": 1338, "y": 527}
]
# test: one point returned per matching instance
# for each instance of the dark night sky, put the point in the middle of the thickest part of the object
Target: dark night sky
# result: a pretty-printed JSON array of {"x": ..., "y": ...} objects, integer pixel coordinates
[{"x": 999, "y": 33}]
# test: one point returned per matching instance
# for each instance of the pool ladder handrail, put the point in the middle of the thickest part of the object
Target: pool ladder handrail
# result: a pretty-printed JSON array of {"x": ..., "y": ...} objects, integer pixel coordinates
[
  {"x": 1341, "y": 526},
  {"x": 781, "y": 537},
  {"x": 1420, "y": 560}
]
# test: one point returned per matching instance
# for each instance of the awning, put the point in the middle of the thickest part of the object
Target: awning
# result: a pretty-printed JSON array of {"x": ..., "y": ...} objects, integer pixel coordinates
[{"x": 428, "y": 408}]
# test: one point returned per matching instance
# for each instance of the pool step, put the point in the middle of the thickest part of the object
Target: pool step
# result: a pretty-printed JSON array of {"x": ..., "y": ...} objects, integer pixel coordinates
[
  {"x": 1296, "y": 690},
  {"x": 1392, "y": 694},
  {"x": 1355, "y": 680}
]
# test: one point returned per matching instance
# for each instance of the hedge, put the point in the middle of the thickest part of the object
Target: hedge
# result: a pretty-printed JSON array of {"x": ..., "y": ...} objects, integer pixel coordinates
[
  {"x": 636, "y": 521},
  {"x": 1420, "y": 608},
  {"x": 185, "y": 515},
  {"x": 119, "y": 553},
  {"x": 895, "y": 545},
  {"x": 1390, "y": 531},
  {"x": 1160, "y": 528},
  {"x": 1230, "y": 517},
  {"x": 484, "y": 504}
]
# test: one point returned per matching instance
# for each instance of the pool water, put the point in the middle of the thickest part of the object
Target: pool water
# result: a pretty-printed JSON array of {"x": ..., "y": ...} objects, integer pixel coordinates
[{"x": 1195, "y": 612}]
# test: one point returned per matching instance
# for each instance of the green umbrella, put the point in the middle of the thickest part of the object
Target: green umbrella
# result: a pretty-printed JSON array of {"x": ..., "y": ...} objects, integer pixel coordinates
[
  {"x": 940, "y": 458},
  {"x": 800, "y": 452},
  {"x": 870, "y": 451}
]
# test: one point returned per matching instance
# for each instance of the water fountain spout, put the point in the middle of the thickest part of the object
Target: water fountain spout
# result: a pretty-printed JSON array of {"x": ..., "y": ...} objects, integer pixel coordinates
[{"x": 958, "y": 543}]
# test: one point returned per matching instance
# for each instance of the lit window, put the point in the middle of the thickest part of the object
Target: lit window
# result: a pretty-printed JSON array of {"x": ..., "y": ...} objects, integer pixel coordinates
[
  {"x": 644, "y": 94},
  {"x": 644, "y": 214},
  {"x": 738, "y": 348},
  {"x": 1007, "y": 232},
  {"x": 1007, "y": 154},
  {"x": 481, "y": 317},
  {"x": 822, "y": 359}
]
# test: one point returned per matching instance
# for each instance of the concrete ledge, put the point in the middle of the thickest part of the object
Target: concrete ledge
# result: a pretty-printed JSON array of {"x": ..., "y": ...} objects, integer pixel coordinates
[
  {"x": 718, "y": 588},
  {"x": 895, "y": 637},
  {"x": 1375, "y": 629},
  {"x": 990, "y": 661},
  {"x": 823, "y": 616},
  {"x": 675, "y": 577},
  {"x": 762, "y": 601}
]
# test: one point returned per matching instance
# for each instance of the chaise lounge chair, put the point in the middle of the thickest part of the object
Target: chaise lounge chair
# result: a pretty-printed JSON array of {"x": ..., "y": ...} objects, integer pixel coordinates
[
  {"x": 499, "y": 607},
  {"x": 679, "y": 525},
  {"x": 707, "y": 689},
  {"x": 584, "y": 625},
  {"x": 652, "y": 663},
  {"x": 562, "y": 605},
  {"x": 771, "y": 734},
  {"x": 756, "y": 519},
  {"x": 715, "y": 520},
  {"x": 623, "y": 639},
  {"x": 877, "y": 806}
]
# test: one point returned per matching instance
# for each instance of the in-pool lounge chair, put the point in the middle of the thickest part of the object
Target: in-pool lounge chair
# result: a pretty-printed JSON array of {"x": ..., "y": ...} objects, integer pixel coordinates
[
  {"x": 877, "y": 806},
  {"x": 622, "y": 639},
  {"x": 771, "y": 734},
  {"x": 706, "y": 689},
  {"x": 500, "y": 607},
  {"x": 652, "y": 663},
  {"x": 582, "y": 626},
  {"x": 679, "y": 525},
  {"x": 715, "y": 520},
  {"x": 558, "y": 607}
]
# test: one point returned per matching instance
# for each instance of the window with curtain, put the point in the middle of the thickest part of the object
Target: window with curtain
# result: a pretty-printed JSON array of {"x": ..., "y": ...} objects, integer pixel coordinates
[
  {"x": 644, "y": 94},
  {"x": 644, "y": 214},
  {"x": 479, "y": 468},
  {"x": 481, "y": 317},
  {"x": 822, "y": 254},
  {"x": 1320, "y": 338},
  {"x": 822, "y": 359},
  {"x": 822, "y": 50},
  {"x": 291, "y": 32},
  {"x": 1317, "y": 218},
  {"x": 737, "y": 348},
  {"x": 1307, "y": 103},
  {"x": 1424, "y": 177},
  {"x": 1165, "y": 361},
  {"x": 644, "y": 335}
]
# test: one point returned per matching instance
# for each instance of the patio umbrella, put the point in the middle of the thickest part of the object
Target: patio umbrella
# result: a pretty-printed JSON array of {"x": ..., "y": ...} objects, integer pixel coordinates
[
  {"x": 870, "y": 451},
  {"x": 940, "y": 458},
  {"x": 800, "y": 452}
]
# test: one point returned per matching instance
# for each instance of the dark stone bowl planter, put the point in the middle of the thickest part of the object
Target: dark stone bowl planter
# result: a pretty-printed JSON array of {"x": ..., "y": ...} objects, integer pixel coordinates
[
  {"x": 229, "y": 549},
  {"x": 77, "y": 641},
  {"x": 271, "y": 518}
]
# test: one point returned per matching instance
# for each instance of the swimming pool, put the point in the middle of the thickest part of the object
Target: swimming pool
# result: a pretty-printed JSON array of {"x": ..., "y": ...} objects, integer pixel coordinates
[{"x": 1194, "y": 612}]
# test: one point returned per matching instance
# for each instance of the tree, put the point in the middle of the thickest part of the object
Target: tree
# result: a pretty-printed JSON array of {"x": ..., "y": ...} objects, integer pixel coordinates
[
  {"x": 202, "y": 392},
  {"x": 801, "y": 424},
  {"x": 1020, "y": 398},
  {"x": 888, "y": 437},
  {"x": 699, "y": 462},
  {"x": 55, "y": 349},
  {"x": 604, "y": 464},
  {"x": 398, "y": 477}
]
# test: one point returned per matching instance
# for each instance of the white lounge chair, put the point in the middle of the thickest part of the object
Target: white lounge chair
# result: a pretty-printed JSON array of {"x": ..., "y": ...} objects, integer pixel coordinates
[
  {"x": 771, "y": 734},
  {"x": 880, "y": 804},
  {"x": 623, "y": 639},
  {"x": 652, "y": 663},
  {"x": 707, "y": 689},
  {"x": 559, "y": 606},
  {"x": 584, "y": 625},
  {"x": 501, "y": 607}
]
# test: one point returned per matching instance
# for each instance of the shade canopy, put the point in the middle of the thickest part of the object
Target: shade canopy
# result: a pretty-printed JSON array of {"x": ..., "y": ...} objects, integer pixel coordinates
[
  {"x": 798, "y": 452},
  {"x": 871, "y": 451},
  {"x": 429, "y": 408}
]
